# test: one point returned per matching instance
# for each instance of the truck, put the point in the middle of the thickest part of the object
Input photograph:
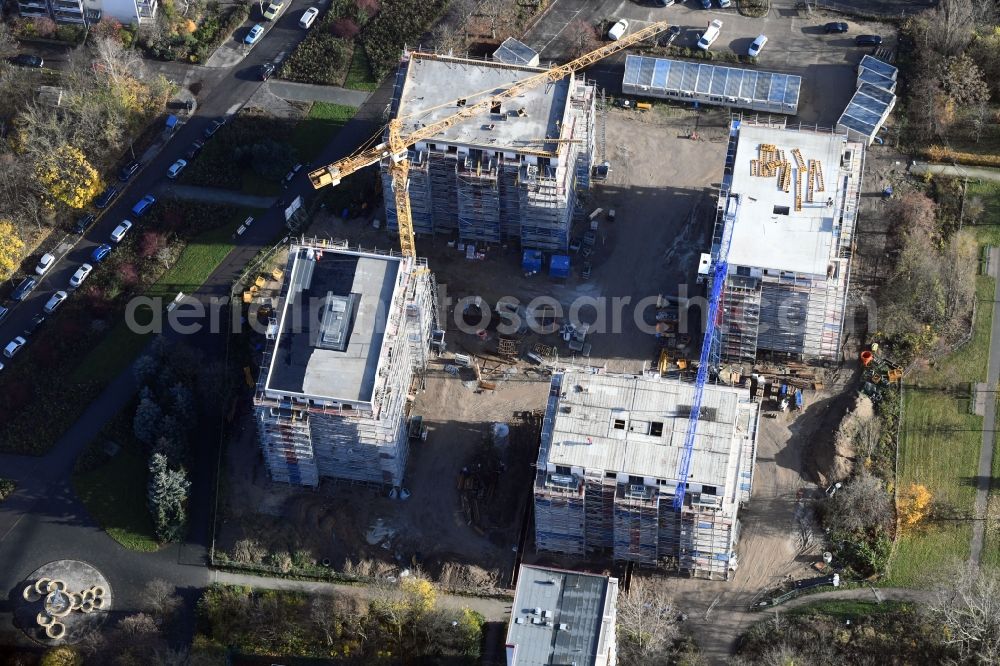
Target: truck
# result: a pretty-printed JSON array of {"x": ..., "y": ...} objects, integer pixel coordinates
[{"x": 710, "y": 35}]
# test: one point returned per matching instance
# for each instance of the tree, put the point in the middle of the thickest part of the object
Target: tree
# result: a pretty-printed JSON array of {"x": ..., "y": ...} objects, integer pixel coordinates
[
  {"x": 146, "y": 423},
  {"x": 967, "y": 604},
  {"x": 168, "y": 492},
  {"x": 68, "y": 177},
  {"x": 11, "y": 247},
  {"x": 860, "y": 506},
  {"x": 913, "y": 504},
  {"x": 647, "y": 622},
  {"x": 160, "y": 598},
  {"x": 369, "y": 7},
  {"x": 914, "y": 213},
  {"x": 344, "y": 28},
  {"x": 182, "y": 406},
  {"x": 8, "y": 44},
  {"x": 61, "y": 656},
  {"x": 962, "y": 80},
  {"x": 951, "y": 26},
  {"x": 581, "y": 37}
]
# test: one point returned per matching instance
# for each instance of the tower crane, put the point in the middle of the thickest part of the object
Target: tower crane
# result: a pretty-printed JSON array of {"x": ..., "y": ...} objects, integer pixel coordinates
[{"x": 397, "y": 144}]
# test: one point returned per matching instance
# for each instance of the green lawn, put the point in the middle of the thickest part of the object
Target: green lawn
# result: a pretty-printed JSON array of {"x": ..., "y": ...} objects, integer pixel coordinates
[
  {"x": 940, "y": 439},
  {"x": 115, "y": 495},
  {"x": 846, "y": 609},
  {"x": 200, "y": 257},
  {"x": 359, "y": 76},
  {"x": 314, "y": 132}
]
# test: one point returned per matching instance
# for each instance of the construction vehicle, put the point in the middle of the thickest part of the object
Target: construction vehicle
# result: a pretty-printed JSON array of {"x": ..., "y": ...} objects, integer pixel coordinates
[{"x": 395, "y": 148}]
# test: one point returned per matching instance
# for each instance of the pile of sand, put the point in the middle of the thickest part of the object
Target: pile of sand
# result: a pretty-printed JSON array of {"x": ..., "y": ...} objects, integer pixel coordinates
[{"x": 835, "y": 460}]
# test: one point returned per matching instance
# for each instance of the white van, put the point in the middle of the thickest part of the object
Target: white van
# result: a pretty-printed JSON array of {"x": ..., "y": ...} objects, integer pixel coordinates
[{"x": 308, "y": 17}]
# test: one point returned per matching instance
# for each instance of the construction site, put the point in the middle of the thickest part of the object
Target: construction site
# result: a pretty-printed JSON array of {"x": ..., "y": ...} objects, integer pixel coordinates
[
  {"x": 511, "y": 174},
  {"x": 794, "y": 196},
  {"x": 352, "y": 332},
  {"x": 607, "y": 468}
]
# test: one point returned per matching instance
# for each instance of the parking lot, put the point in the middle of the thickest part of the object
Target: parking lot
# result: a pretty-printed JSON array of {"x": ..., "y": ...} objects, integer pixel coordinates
[{"x": 797, "y": 44}]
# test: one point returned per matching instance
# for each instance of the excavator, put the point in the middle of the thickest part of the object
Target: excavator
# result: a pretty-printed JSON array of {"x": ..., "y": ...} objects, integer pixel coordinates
[{"x": 397, "y": 144}]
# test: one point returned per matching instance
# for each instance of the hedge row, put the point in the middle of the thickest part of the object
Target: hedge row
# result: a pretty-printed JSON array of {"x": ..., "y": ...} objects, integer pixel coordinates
[
  {"x": 398, "y": 24},
  {"x": 943, "y": 154}
]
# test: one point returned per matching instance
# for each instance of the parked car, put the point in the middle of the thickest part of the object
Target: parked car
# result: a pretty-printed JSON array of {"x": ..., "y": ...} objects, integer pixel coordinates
[
  {"x": 665, "y": 3},
  {"x": 273, "y": 10},
  {"x": 176, "y": 168},
  {"x": 45, "y": 263},
  {"x": 100, "y": 253},
  {"x": 55, "y": 301},
  {"x": 27, "y": 60},
  {"x": 255, "y": 34},
  {"x": 757, "y": 45},
  {"x": 214, "y": 127},
  {"x": 667, "y": 38},
  {"x": 4, "y": 312},
  {"x": 868, "y": 40},
  {"x": 119, "y": 232},
  {"x": 710, "y": 35},
  {"x": 128, "y": 171},
  {"x": 706, "y": 4},
  {"x": 618, "y": 30},
  {"x": 835, "y": 27},
  {"x": 725, "y": 3},
  {"x": 14, "y": 346},
  {"x": 143, "y": 205},
  {"x": 194, "y": 149},
  {"x": 22, "y": 290},
  {"x": 106, "y": 197},
  {"x": 286, "y": 181},
  {"x": 266, "y": 70},
  {"x": 33, "y": 325},
  {"x": 84, "y": 223},
  {"x": 80, "y": 275},
  {"x": 308, "y": 17}
]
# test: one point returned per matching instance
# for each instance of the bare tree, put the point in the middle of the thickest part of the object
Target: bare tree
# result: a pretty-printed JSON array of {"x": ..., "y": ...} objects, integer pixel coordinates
[
  {"x": 868, "y": 435},
  {"x": 862, "y": 504},
  {"x": 500, "y": 16},
  {"x": 951, "y": 26},
  {"x": 160, "y": 598},
  {"x": 967, "y": 603},
  {"x": 581, "y": 37},
  {"x": 8, "y": 45},
  {"x": 647, "y": 622}
]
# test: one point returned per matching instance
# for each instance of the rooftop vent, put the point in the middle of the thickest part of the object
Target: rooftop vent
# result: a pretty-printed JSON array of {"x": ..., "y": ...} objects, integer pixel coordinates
[
  {"x": 522, "y": 112},
  {"x": 335, "y": 325},
  {"x": 494, "y": 107},
  {"x": 460, "y": 102}
]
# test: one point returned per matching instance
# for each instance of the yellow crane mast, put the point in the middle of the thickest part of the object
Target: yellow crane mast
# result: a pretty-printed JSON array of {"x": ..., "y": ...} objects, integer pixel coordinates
[{"x": 397, "y": 145}]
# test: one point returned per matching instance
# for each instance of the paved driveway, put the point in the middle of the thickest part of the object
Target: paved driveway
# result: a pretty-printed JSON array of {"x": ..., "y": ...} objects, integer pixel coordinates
[{"x": 797, "y": 44}]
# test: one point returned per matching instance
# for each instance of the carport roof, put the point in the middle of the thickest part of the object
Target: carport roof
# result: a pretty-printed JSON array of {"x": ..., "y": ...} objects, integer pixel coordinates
[
  {"x": 666, "y": 75},
  {"x": 513, "y": 52},
  {"x": 867, "y": 109},
  {"x": 876, "y": 65}
]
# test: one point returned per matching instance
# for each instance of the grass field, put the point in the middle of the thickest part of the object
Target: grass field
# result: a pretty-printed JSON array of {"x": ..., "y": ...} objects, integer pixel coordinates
[
  {"x": 114, "y": 493},
  {"x": 359, "y": 76},
  {"x": 846, "y": 609},
  {"x": 201, "y": 256},
  {"x": 313, "y": 133},
  {"x": 940, "y": 439}
]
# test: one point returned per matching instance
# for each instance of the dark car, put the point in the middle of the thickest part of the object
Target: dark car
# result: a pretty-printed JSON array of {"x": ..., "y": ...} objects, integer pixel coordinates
[
  {"x": 4, "y": 312},
  {"x": 868, "y": 40},
  {"x": 266, "y": 70},
  {"x": 143, "y": 205},
  {"x": 214, "y": 127},
  {"x": 194, "y": 149},
  {"x": 27, "y": 60},
  {"x": 100, "y": 253},
  {"x": 33, "y": 325},
  {"x": 23, "y": 289},
  {"x": 668, "y": 38},
  {"x": 836, "y": 26},
  {"x": 84, "y": 223},
  {"x": 106, "y": 197},
  {"x": 128, "y": 171}
]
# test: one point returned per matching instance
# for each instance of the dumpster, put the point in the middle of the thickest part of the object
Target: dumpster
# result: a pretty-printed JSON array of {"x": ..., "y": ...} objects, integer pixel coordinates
[{"x": 559, "y": 266}]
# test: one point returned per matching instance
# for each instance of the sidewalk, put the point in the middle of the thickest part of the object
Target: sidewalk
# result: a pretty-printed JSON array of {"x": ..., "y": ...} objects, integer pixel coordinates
[
  {"x": 213, "y": 195},
  {"x": 307, "y": 92},
  {"x": 492, "y": 609},
  {"x": 956, "y": 170}
]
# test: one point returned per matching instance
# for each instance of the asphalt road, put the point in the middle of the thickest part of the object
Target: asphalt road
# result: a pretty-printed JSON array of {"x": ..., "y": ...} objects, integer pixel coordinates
[{"x": 222, "y": 93}]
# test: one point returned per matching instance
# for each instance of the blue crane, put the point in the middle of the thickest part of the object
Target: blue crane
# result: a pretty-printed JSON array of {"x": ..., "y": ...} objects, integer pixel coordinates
[{"x": 708, "y": 346}]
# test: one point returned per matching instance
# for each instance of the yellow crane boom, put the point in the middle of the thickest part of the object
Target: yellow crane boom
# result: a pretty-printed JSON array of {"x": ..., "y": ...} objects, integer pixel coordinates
[{"x": 397, "y": 144}]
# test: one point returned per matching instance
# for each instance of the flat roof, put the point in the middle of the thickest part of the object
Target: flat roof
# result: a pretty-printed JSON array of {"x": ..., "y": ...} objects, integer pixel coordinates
[
  {"x": 769, "y": 232},
  {"x": 874, "y": 64},
  {"x": 576, "y": 600},
  {"x": 514, "y": 52},
  {"x": 867, "y": 109},
  {"x": 666, "y": 75},
  {"x": 432, "y": 81},
  {"x": 584, "y": 433},
  {"x": 332, "y": 325}
]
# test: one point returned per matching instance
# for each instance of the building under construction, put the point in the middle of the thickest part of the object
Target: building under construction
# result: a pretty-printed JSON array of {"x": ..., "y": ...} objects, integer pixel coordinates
[
  {"x": 512, "y": 173},
  {"x": 350, "y": 337},
  {"x": 607, "y": 469},
  {"x": 796, "y": 194}
]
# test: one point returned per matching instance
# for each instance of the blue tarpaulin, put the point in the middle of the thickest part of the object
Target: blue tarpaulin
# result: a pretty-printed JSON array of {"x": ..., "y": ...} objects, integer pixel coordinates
[
  {"x": 531, "y": 261},
  {"x": 171, "y": 122},
  {"x": 559, "y": 266}
]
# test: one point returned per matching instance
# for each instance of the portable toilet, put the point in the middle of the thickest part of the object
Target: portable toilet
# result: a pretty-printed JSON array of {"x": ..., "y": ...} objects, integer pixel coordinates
[
  {"x": 531, "y": 261},
  {"x": 559, "y": 266},
  {"x": 171, "y": 123}
]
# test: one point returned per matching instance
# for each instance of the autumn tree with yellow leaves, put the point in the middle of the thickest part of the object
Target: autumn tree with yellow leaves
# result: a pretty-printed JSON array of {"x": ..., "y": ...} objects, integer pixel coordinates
[
  {"x": 68, "y": 177},
  {"x": 11, "y": 246},
  {"x": 913, "y": 505}
]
